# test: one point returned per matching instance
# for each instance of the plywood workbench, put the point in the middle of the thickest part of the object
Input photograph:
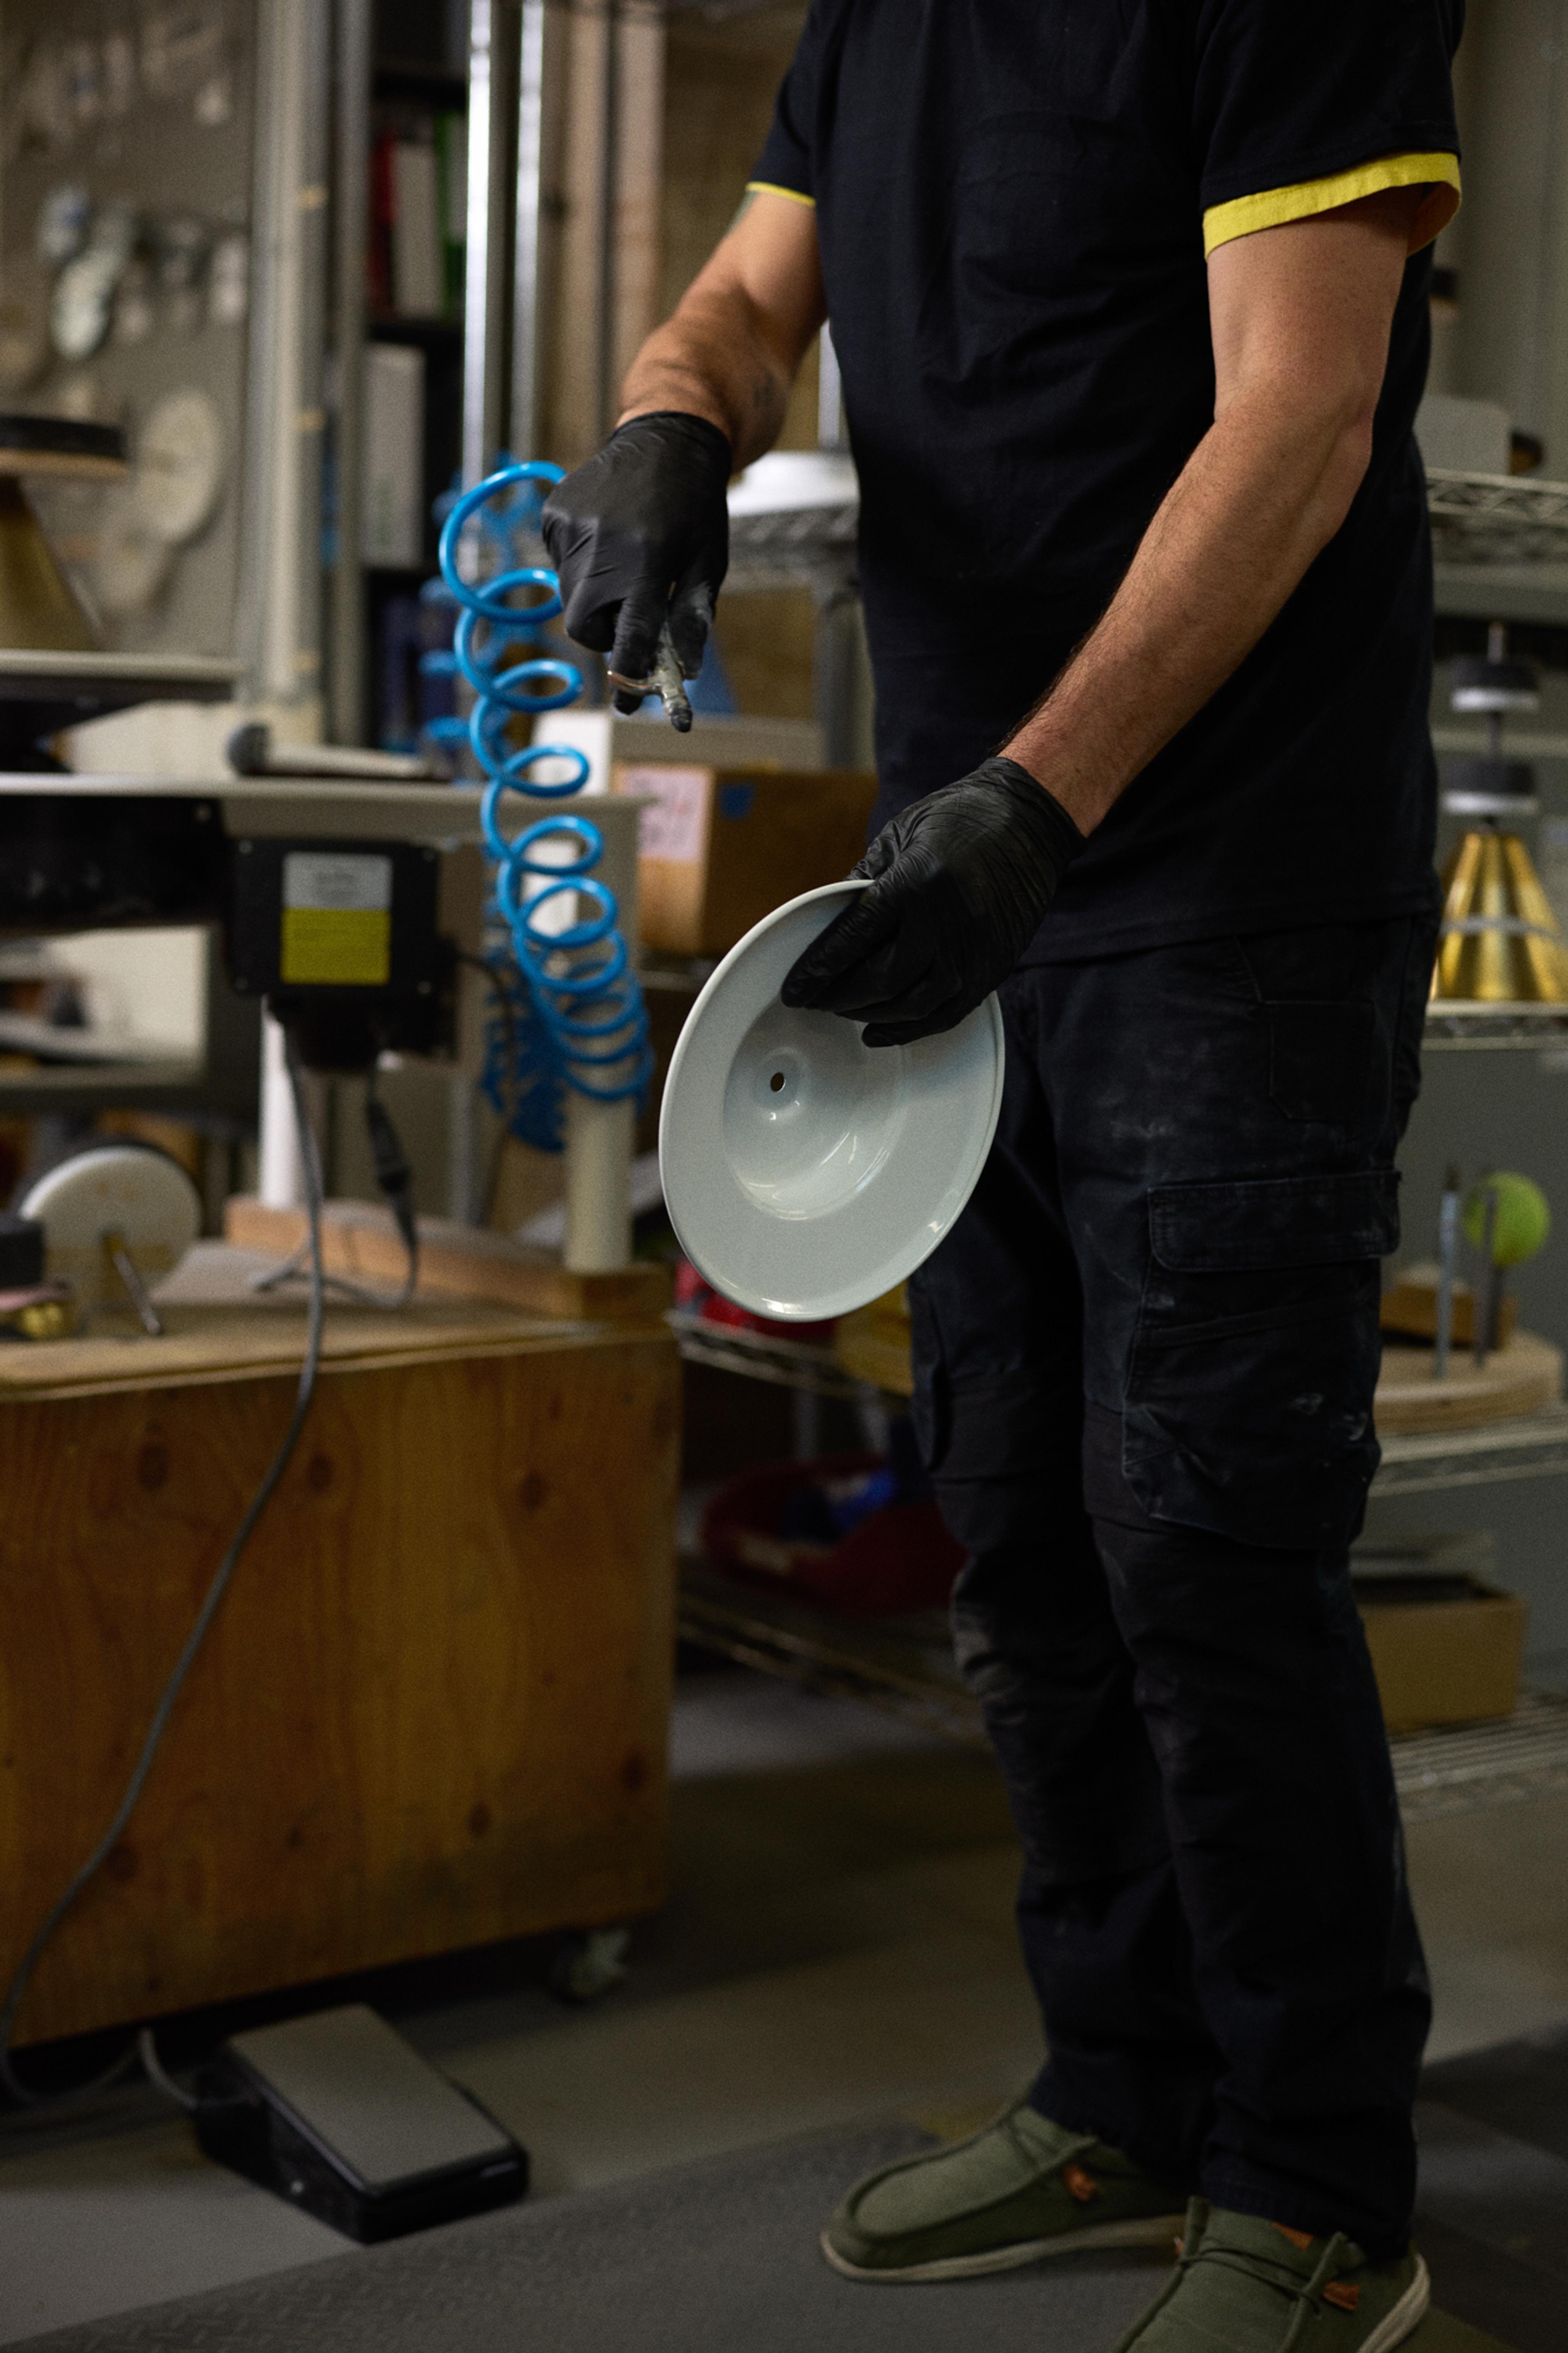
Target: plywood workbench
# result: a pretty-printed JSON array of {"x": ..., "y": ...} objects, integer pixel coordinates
[{"x": 432, "y": 1711}]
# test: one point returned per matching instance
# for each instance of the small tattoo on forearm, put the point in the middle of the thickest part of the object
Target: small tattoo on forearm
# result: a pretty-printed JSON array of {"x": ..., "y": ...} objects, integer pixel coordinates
[{"x": 768, "y": 396}]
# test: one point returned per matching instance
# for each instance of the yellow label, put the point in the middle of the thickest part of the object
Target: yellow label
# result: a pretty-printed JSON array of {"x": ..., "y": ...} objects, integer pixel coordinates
[{"x": 346, "y": 947}]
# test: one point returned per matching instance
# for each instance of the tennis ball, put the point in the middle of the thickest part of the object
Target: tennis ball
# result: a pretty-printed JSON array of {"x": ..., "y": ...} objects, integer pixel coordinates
[{"x": 1524, "y": 1219}]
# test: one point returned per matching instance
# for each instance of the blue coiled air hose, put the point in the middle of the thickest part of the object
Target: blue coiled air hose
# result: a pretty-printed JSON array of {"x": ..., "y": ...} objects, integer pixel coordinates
[{"x": 590, "y": 1022}]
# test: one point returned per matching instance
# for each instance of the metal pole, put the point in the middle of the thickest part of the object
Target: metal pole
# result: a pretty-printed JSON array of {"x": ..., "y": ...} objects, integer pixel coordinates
[
  {"x": 526, "y": 291},
  {"x": 487, "y": 293},
  {"x": 315, "y": 269},
  {"x": 281, "y": 533},
  {"x": 347, "y": 715},
  {"x": 829, "y": 395},
  {"x": 476, "y": 281},
  {"x": 609, "y": 385}
]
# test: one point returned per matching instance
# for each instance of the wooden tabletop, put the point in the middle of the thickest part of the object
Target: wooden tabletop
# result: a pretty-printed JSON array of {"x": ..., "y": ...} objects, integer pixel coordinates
[{"x": 216, "y": 1327}]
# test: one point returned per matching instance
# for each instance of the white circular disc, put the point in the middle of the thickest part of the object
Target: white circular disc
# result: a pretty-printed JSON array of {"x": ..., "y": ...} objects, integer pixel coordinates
[
  {"x": 122, "y": 1189},
  {"x": 131, "y": 567},
  {"x": 179, "y": 471},
  {"x": 804, "y": 1172},
  {"x": 80, "y": 305}
]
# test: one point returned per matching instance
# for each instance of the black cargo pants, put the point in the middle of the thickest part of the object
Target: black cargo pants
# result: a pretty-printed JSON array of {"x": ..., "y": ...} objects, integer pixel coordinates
[{"x": 1144, "y": 1368}]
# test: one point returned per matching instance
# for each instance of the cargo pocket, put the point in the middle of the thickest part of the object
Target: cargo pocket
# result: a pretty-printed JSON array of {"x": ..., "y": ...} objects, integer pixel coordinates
[{"x": 1249, "y": 1394}]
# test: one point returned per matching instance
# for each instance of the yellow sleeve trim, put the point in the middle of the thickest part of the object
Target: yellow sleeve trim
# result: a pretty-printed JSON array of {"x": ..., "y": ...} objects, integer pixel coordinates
[
  {"x": 1271, "y": 208},
  {"x": 772, "y": 188}
]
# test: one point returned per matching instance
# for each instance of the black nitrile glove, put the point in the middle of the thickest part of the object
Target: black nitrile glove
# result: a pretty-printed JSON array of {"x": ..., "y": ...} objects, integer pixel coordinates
[
  {"x": 641, "y": 535},
  {"x": 960, "y": 882}
]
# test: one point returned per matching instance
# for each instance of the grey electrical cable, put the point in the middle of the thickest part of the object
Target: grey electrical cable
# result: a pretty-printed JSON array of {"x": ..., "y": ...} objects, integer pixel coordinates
[
  {"x": 391, "y": 1162},
  {"x": 340, "y": 1285},
  {"x": 159, "y": 2077},
  {"x": 22, "y": 2093},
  {"x": 497, "y": 977}
]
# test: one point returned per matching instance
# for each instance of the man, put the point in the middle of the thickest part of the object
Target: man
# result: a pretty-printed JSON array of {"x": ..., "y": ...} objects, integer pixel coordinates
[{"x": 1130, "y": 307}]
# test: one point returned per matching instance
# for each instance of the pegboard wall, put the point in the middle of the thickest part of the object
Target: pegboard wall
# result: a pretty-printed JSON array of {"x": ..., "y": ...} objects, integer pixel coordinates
[{"x": 126, "y": 267}]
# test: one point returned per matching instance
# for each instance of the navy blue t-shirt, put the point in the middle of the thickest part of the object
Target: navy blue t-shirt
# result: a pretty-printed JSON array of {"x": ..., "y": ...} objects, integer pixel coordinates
[{"x": 1013, "y": 199}]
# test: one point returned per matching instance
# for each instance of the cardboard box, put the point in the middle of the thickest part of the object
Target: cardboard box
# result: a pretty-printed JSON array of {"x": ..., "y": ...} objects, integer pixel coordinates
[
  {"x": 1445, "y": 1650},
  {"x": 605, "y": 737},
  {"x": 720, "y": 847}
]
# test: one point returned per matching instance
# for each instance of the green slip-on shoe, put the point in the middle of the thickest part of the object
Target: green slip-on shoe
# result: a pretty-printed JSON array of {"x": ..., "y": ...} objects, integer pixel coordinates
[
  {"x": 1244, "y": 2286},
  {"x": 1022, "y": 2189}
]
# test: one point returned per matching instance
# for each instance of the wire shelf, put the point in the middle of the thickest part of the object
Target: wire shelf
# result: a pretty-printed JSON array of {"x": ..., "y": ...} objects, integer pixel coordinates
[
  {"x": 904, "y": 1666},
  {"x": 1472, "y": 1765},
  {"x": 1497, "y": 518},
  {"x": 1456, "y": 1025},
  {"x": 1530, "y": 1446},
  {"x": 1476, "y": 519},
  {"x": 809, "y": 547},
  {"x": 757, "y": 1356},
  {"x": 1428, "y": 1463}
]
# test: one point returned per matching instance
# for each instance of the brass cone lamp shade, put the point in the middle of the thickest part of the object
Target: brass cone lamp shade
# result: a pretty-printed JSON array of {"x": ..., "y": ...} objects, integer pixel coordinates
[
  {"x": 38, "y": 610},
  {"x": 38, "y": 613},
  {"x": 1500, "y": 943}
]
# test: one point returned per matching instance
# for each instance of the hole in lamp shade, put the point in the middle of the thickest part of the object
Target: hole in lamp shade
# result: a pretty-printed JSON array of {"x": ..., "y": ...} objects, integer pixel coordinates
[{"x": 776, "y": 1081}]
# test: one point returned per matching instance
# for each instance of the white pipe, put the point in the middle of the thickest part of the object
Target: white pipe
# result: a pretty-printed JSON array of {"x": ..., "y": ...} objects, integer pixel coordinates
[
  {"x": 598, "y": 1184},
  {"x": 599, "y": 1135},
  {"x": 280, "y": 1175}
]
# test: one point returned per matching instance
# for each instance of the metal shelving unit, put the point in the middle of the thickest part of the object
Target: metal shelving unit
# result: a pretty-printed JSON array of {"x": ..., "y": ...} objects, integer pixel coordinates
[
  {"x": 794, "y": 520},
  {"x": 1427, "y": 1463},
  {"x": 1497, "y": 518},
  {"x": 1453, "y": 1028},
  {"x": 905, "y": 1665},
  {"x": 794, "y": 515},
  {"x": 1533, "y": 1446},
  {"x": 786, "y": 1364}
]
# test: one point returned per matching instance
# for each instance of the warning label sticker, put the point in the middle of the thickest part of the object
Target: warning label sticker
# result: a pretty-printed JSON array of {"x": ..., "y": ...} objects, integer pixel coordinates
[
  {"x": 337, "y": 919},
  {"x": 675, "y": 823}
]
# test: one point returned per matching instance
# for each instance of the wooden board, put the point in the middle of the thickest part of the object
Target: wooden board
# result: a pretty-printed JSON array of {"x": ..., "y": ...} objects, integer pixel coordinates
[
  {"x": 432, "y": 1711},
  {"x": 1410, "y": 1306},
  {"x": 873, "y": 1344},
  {"x": 69, "y": 465},
  {"x": 1520, "y": 1378},
  {"x": 217, "y": 1325},
  {"x": 360, "y": 1240}
]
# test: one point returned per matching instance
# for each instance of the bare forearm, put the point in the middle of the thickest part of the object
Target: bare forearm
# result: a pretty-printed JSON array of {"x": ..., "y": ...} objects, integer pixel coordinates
[
  {"x": 1261, "y": 495},
  {"x": 713, "y": 359},
  {"x": 735, "y": 344},
  {"x": 1300, "y": 317}
]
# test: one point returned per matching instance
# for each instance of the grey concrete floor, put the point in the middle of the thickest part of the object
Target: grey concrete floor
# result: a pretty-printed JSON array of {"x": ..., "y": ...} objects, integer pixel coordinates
[{"x": 838, "y": 1949}]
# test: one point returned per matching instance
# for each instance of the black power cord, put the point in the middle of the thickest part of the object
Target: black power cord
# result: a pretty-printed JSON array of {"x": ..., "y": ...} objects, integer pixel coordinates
[
  {"x": 24, "y": 2093},
  {"x": 395, "y": 1178},
  {"x": 500, "y": 997}
]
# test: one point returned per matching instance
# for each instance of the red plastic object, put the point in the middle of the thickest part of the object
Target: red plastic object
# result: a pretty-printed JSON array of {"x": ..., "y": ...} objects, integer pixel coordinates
[
  {"x": 898, "y": 1560},
  {"x": 696, "y": 1295}
]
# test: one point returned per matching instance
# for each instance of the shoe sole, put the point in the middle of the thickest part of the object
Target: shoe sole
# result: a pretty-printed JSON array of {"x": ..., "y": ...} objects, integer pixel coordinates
[
  {"x": 1149, "y": 2230},
  {"x": 1408, "y": 2315}
]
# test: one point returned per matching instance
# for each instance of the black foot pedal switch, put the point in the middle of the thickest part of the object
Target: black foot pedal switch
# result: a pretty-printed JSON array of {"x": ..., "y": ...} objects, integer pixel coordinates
[{"x": 338, "y": 2115}]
